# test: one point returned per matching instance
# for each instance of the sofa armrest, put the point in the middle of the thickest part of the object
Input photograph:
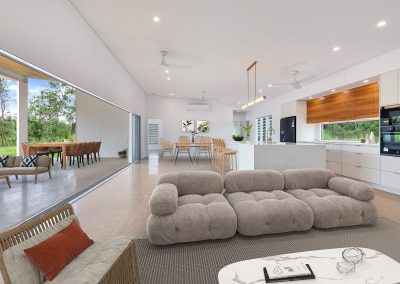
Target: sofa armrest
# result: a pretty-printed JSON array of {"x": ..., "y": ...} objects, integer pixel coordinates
[
  {"x": 352, "y": 188},
  {"x": 164, "y": 199}
]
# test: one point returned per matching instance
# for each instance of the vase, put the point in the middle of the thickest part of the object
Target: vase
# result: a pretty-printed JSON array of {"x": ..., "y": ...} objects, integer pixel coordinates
[
  {"x": 372, "y": 138},
  {"x": 366, "y": 138},
  {"x": 192, "y": 138}
]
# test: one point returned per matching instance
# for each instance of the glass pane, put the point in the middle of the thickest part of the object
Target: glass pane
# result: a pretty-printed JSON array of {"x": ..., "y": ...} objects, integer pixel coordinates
[{"x": 350, "y": 131}]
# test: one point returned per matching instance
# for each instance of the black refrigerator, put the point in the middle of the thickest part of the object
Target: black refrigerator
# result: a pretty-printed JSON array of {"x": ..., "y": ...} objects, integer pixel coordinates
[{"x": 288, "y": 129}]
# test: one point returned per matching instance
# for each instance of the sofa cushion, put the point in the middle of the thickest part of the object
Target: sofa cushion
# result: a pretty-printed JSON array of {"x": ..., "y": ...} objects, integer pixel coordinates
[
  {"x": 352, "y": 188},
  {"x": 164, "y": 199},
  {"x": 92, "y": 264},
  {"x": 198, "y": 217},
  {"x": 331, "y": 209},
  {"x": 262, "y": 212},
  {"x": 198, "y": 182},
  {"x": 3, "y": 161},
  {"x": 22, "y": 170},
  {"x": 258, "y": 180},
  {"x": 29, "y": 161},
  {"x": 20, "y": 269},
  {"x": 53, "y": 254},
  {"x": 10, "y": 162},
  {"x": 307, "y": 178}
]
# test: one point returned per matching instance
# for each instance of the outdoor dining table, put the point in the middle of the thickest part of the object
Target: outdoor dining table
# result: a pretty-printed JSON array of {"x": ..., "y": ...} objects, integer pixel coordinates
[{"x": 63, "y": 145}]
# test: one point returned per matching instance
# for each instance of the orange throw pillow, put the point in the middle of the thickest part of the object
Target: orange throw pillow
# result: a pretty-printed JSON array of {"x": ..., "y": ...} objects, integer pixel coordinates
[{"x": 53, "y": 254}]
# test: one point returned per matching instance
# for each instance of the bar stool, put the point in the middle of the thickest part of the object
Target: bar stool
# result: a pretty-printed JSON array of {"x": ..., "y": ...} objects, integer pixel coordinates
[{"x": 230, "y": 155}]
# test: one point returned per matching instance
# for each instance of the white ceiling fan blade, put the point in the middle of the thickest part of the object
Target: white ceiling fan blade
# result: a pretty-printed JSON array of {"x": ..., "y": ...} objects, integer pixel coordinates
[
  {"x": 179, "y": 66},
  {"x": 309, "y": 78}
]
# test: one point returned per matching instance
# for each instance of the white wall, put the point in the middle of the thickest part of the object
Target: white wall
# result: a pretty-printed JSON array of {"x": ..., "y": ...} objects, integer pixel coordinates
[
  {"x": 173, "y": 111},
  {"x": 100, "y": 121},
  {"x": 53, "y": 36},
  {"x": 371, "y": 68}
]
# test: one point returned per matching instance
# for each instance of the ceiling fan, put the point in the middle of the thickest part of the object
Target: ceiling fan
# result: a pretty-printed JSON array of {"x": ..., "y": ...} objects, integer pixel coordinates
[
  {"x": 295, "y": 83},
  {"x": 164, "y": 63},
  {"x": 205, "y": 98}
]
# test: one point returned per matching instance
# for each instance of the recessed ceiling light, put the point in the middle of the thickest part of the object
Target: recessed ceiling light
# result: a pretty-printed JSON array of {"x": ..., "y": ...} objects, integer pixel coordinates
[
  {"x": 171, "y": 94},
  {"x": 156, "y": 19},
  {"x": 166, "y": 71},
  {"x": 336, "y": 48},
  {"x": 310, "y": 97},
  {"x": 260, "y": 90},
  {"x": 168, "y": 78},
  {"x": 366, "y": 81},
  {"x": 333, "y": 90},
  {"x": 381, "y": 24},
  {"x": 270, "y": 85}
]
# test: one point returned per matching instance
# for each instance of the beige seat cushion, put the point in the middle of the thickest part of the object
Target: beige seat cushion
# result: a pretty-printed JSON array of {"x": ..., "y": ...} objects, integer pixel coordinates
[
  {"x": 22, "y": 171},
  {"x": 197, "y": 218},
  {"x": 262, "y": 212},
  {"x": 20, "y": 269},
  {"x": 92, "y": 264},
  {"x": 331, "y": 209}
]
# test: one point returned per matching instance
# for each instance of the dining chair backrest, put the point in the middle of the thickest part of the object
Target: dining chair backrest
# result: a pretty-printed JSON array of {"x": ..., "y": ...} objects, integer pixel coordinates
[
  {"x": 183, "y": 143},
  {"x": 80, "y": 149},
  {"x": 166, "y": 145},
  {"x": 98, "y": 145},
  {"x": 205, "y": 143}
]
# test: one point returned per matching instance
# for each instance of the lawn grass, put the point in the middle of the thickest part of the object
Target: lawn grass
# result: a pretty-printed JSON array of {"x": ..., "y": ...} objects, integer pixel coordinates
[{"x": 8, "y": 151}]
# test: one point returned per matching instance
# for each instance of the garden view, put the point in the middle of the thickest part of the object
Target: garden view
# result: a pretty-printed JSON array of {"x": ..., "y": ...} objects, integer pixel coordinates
[{"x": 51, "y": 113}]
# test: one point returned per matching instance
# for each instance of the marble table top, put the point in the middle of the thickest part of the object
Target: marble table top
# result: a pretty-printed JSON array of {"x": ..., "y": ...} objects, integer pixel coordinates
[{"x": 377, "y": 268}]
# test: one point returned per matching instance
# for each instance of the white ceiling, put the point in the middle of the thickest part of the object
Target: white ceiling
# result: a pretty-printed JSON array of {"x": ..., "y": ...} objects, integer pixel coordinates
[{"x": 222, "y": 38}]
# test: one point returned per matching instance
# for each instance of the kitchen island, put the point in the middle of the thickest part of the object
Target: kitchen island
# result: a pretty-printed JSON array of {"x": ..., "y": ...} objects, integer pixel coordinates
[{"x": 278, "y": 156}]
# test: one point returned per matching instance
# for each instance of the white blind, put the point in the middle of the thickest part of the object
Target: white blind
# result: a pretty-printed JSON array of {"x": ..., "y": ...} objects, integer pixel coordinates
[
  {"x": 263, "y": 124},
  {"x": 153, "y": 134}
]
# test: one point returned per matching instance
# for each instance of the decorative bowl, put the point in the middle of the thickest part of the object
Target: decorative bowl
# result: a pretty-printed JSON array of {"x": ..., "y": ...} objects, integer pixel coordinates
[{"x": 237, "y": 138}]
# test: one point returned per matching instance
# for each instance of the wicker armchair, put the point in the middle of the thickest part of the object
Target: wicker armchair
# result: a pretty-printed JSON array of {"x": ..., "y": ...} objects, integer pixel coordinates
[
  {"x": 183, "y": 145},
  {"x": 124, "y": 270}
]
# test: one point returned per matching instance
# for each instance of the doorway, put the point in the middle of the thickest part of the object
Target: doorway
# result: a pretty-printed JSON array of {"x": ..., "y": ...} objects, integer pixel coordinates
[{"x": 135, "y": 137}]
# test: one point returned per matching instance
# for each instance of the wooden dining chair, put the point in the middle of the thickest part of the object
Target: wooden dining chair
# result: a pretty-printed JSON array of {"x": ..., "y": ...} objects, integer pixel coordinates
[
  {"x": 96, "y": 150},
  {"x": 204, "y": 147},
  {"x": 53, "y": 152},
  {"x": 166, "y": 147},
  {"x": 183, "y": 145},
  {"x": 77, "y": 152}
]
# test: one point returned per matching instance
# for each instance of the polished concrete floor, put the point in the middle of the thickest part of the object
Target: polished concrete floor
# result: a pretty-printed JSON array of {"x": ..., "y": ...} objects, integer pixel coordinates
[
  {"x": 25, "y": 198},
  {"x": 120, "y": 206}
]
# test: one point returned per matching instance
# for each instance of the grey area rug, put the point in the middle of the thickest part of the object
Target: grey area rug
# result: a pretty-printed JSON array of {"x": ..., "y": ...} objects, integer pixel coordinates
[{"x": 200, "y": 262}]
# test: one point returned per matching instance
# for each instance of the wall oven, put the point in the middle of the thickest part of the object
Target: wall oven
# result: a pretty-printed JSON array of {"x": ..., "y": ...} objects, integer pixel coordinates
[{"x": 390, "y": 131}]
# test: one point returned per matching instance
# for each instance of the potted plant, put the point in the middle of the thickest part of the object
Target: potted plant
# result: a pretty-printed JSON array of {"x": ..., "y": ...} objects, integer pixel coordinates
[
  {"x": 237, "y": 137},
  {"x": 247, "y": 130},
  {"x": 122, "y": 154}
]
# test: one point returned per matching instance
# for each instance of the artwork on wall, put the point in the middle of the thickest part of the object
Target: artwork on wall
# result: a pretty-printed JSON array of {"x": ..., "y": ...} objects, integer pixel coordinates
[
  {"x": 188, "y": 125},
  {"x": 201, "y": 126}
]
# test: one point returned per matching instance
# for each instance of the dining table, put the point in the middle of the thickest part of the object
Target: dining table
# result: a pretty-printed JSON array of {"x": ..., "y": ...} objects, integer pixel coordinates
[{"x": 62, "y": 145}]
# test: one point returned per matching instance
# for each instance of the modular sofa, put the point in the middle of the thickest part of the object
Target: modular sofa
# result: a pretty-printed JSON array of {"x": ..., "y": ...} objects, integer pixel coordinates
[
  {"x": 189, "y": 206},
  {"x": 262, "y": 206},
  {"x": 335, "y": 201},
  {"x": 13, "y": 168}
]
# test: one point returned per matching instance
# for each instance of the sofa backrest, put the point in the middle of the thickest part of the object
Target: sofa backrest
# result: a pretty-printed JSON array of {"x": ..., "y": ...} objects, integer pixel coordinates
[
  {"x": 42, "y": 161},
  {"x": 199, "y": 182},
  {"x": 258, "y": 180},
  {"x": 307, "y": 178}
]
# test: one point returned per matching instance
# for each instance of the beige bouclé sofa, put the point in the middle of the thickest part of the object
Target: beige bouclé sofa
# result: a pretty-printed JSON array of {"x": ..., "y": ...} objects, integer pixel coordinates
[
  {"x": 12, "y": 168},
  {"x": 189, "y": 206}
]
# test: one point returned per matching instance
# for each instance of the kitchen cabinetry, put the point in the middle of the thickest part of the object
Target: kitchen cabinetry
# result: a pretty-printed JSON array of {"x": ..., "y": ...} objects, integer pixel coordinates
[
  {"x": 390, "y": 174},
  {"x": 316, "y": 110},
  {"x": 389, "y": 84},
  {"x": 367, "y": 101}
]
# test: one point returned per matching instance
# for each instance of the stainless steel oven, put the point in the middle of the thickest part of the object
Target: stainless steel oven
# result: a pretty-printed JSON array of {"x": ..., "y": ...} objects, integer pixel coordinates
[{"x": 390, "y": 131}]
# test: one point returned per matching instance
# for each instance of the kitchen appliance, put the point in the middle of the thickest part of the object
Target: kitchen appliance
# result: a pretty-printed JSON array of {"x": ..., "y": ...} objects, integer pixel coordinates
[
  {"x": 390, "y": 130},
  {"x": 288, "y": 129}
]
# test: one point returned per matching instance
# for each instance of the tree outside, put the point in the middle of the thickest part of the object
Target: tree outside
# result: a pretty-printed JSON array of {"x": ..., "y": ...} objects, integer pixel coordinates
[
  {"x": 51, "y": 113},
  {"x": 7, "y": 119},
  {"x": 350, "y": 131}
]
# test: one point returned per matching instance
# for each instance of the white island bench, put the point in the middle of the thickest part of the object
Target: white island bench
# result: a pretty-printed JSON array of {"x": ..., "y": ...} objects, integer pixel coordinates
[{"x": 279, "y": 156}]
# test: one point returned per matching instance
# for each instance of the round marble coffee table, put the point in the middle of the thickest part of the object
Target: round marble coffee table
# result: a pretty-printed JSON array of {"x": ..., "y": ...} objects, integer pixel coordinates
[{"x": 377, "y": 268}]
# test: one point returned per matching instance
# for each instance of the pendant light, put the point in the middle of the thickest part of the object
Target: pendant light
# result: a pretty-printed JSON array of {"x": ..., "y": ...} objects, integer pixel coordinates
[{"x": 256, "y": 100}]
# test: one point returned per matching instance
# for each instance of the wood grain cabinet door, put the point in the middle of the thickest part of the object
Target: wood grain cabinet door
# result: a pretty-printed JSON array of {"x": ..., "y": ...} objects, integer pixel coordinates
[
  {"x": 316, "y": 110},
  {"x": 332, "y": 107},
  {"x": 366, "y": 98},
  {"x": 347, "y": 105}
]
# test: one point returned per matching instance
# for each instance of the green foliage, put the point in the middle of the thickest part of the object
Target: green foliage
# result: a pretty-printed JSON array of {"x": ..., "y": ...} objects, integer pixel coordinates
[
  {"x": 186, "y": 124},
  {"x": 350, "y": 131},
  {"x": 203, "y": 127},
  {"x": 122, "y": 152},
  {"x": 8, "y": 151},
  {"x": 52, "y": 114},
  {"x": 247, "y": 128},
  {"x": 7, "y": 124}
]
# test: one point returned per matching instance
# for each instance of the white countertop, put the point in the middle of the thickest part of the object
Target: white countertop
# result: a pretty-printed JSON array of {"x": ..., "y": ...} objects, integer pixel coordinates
[
  {"x": 274, "y": 143},
  {"x": 341, "y": 143}
]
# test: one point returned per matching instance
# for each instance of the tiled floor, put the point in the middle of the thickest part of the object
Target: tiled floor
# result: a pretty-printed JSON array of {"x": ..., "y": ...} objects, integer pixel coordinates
[
  {"x": 119, "y": 207},
  {"x": 24, "y": 199}
]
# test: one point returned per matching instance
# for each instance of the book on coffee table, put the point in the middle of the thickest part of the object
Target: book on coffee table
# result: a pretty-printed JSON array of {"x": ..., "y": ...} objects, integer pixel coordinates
[{"x": 287, "y": 271}]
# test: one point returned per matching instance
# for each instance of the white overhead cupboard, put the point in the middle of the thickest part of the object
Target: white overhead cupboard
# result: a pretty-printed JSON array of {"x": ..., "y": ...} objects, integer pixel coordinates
[{"x": 389, "y": 88}]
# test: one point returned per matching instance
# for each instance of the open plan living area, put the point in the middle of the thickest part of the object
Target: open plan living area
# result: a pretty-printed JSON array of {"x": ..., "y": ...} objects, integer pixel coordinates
[{"x": 199, "y": 142}]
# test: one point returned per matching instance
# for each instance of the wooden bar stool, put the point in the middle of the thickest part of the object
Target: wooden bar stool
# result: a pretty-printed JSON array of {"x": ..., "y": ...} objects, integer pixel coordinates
[{"x": 231, "y": 156}]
